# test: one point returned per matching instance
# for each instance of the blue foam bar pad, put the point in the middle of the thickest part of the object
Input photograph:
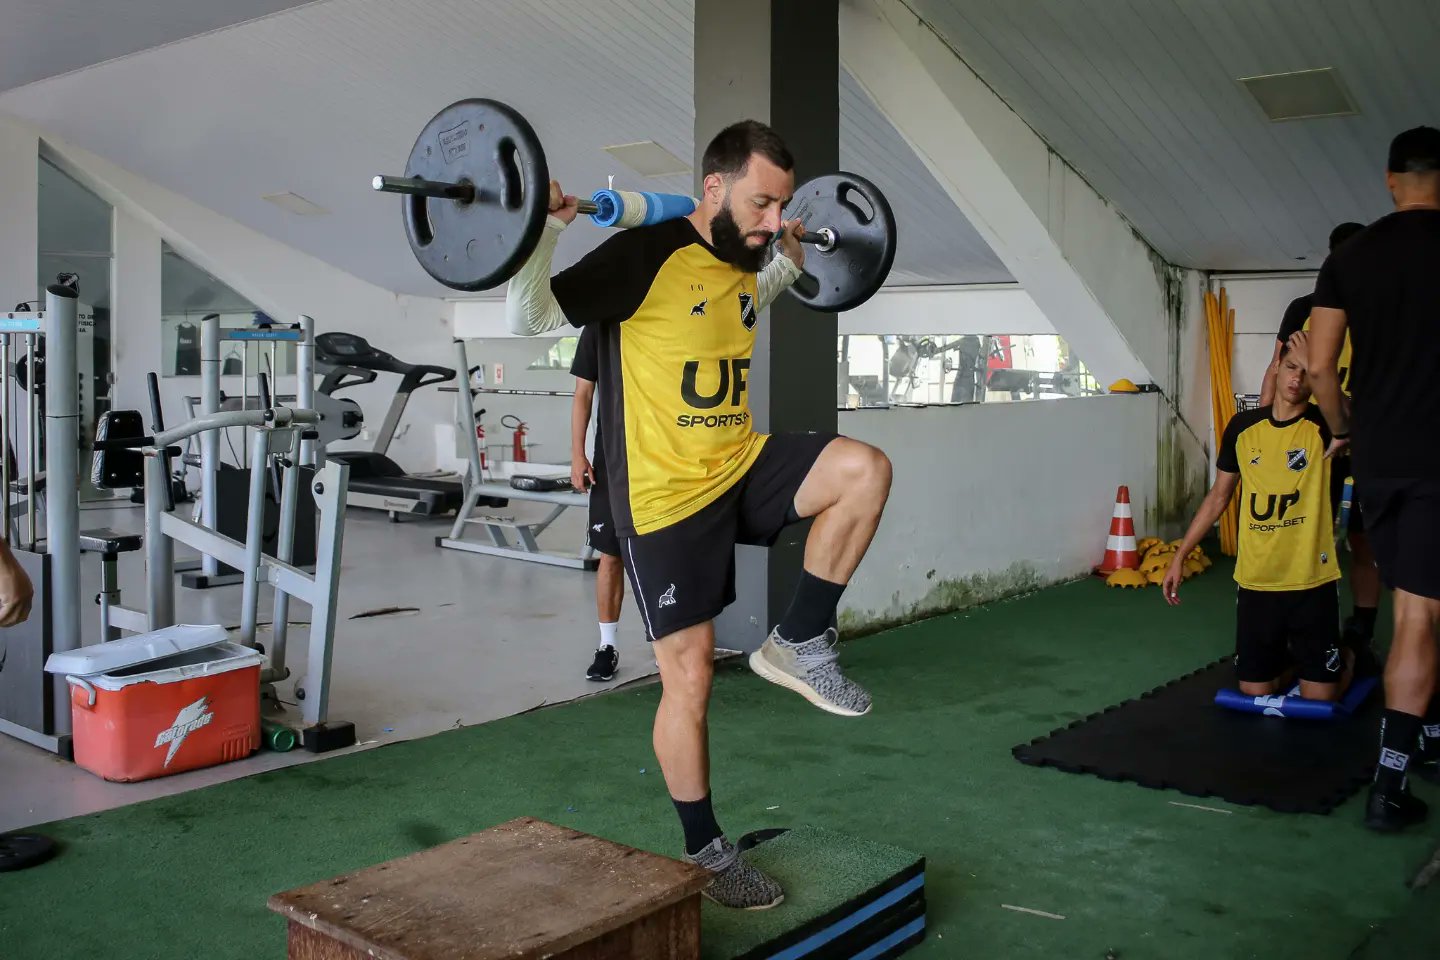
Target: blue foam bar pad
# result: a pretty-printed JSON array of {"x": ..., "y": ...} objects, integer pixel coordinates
[
  {"x": 1295, "y": 706},
  {"x": 618, "y": 205}
]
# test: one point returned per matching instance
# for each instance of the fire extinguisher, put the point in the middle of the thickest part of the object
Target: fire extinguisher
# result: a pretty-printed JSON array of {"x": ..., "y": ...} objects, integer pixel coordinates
[
  {"x": 480, "y": 440},
  {"x": 521, "y": 446}
]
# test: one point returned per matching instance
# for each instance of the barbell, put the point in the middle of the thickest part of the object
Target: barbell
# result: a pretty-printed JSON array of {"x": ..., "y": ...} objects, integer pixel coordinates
[{"x": 476, "y": 192}]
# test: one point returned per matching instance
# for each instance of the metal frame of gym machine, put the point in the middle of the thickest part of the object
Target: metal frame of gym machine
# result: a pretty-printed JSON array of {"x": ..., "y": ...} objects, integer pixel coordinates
[
  {"x": 35, "y": 707},
  {"x": 476, "y": 487},
  {"x": 212, "y": 335}
]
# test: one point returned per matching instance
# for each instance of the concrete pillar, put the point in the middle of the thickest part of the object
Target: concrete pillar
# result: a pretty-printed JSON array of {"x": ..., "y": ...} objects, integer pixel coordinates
[{"x": 779, "y": 63}]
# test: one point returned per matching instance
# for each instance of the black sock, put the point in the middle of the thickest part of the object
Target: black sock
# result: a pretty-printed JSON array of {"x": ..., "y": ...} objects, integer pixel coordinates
[
  {"x": 811, "y": 610},
  {"x": 698, "y": 820},
  {"x": 1430, "y": 732},
  {"x": 1399, "y": 737},
  {"x": 1364, "y": 618}
]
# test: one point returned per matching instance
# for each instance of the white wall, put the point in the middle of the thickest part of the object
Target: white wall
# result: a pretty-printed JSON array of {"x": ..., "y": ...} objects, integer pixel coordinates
[
  {"x": 993, "y": 499},
  {"x": 279, "y": 279},
  {"x": 19, "y": 210},
  {"x": 1259, "y": 303},
  {"x": 929, "y": 311}
]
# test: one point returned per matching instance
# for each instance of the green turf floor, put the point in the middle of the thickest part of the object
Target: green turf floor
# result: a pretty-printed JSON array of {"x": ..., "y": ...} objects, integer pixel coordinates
[{"x": 929, "y": 770}]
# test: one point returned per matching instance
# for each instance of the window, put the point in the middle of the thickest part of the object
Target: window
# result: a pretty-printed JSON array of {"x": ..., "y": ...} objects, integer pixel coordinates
[
  {"x": 559, "y": 357},
  {"x": 188, "y": 294},
  {"x": 886, "y": 370}
]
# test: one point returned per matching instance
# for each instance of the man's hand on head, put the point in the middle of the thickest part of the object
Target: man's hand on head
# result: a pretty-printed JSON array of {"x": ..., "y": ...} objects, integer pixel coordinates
[{"x": 1300, "y": 348}]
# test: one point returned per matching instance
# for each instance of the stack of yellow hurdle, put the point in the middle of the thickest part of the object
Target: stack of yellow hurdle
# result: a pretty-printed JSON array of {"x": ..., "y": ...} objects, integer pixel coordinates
[
  {"x": 1155, "y": 558},
  {"x": 1221, "y": 324}
]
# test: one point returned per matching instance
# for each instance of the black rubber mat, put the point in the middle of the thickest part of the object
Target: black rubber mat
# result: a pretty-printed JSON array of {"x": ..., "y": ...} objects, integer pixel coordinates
[{"x": 1175, "y": 737}]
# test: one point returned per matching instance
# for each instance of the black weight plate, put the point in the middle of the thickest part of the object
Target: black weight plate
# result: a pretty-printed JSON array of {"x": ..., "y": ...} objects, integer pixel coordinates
[
  {"x": 21, "y": 850},
  {"x": 855, "y": 268},
  {"x": 478, "y": 245}
]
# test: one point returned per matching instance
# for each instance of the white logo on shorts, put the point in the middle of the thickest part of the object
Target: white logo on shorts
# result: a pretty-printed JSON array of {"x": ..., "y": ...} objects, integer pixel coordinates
[
  {"x": 667, "y": 599},
  {"x": 1332, "y": 660},
  {"x": 598, "y": 527}
]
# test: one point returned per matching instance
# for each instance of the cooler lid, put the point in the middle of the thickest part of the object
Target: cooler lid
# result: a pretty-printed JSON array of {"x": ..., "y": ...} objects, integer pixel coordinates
[{"x": 136, "y": 650}]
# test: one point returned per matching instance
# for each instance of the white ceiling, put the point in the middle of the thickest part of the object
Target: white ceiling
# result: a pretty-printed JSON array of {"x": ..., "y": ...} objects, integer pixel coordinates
[
  {"x": 45, "y": 38},
  {"x": 1141, "y": 97},
  {"x": 318, "y": 100}
]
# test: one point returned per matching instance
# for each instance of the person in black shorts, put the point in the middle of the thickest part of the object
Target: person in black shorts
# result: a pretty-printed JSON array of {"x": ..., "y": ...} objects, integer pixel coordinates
[
  {"x": 1383, "y": 288},
  {"x": 589, "y": 474},
  {"x": 1359, "y": 629},
  {"x": 675, "y": 307},
  {"x": 1287, "y": 607}
]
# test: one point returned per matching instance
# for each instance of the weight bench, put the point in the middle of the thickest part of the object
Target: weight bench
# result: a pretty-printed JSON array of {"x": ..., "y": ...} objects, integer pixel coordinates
[
  {"x": 500, "y": 530},
  {"x": 524, "y": 889},
  {"x": 110, "y": 544}
]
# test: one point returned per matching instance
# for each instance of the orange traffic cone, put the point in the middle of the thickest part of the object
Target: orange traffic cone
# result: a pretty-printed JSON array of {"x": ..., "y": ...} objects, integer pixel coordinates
[{"x": 1120, "y": 550}]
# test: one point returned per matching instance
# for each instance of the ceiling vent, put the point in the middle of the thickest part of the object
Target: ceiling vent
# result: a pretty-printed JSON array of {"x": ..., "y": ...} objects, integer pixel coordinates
[
  {"x": 648, "y": 159},
  {"x": 294, "y": 203},
  {"x": 1301, "y": 95}
]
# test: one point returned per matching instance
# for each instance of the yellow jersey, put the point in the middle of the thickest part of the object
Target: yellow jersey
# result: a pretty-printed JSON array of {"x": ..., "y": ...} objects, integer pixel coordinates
[
  {"x": 676, "y": 329},
  {"x": 1286, "y": 528}
]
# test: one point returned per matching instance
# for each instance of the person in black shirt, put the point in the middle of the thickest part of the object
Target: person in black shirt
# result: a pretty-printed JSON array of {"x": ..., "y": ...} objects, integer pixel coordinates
[
  {"x": 1383, "y": 288},
  {"x": 1359, "y": 629},
  {"x": 589, "y": 475}
]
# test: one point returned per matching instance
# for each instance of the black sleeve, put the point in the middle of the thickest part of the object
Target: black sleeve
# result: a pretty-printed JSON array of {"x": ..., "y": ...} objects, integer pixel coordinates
[
  {"x": 1227, "y": 459},
  {"x": 1295, "y": 316},
  {"x": 586, "y": 365},
  {"x": 609, "y": 283},
  {"x": 1327, "y": 286}
]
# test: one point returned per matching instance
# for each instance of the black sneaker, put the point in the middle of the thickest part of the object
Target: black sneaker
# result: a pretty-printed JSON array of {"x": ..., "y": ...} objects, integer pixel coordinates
[
  {"x": 607, "y": 658},
  {"x": 1390, "y": 812}
]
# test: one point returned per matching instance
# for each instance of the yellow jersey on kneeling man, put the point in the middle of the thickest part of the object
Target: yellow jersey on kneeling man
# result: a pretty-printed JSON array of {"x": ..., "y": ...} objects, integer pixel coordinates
[{"x": 1286, "y": 528}]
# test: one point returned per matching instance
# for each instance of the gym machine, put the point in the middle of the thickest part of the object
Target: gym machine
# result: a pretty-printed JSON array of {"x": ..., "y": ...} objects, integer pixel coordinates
[
  {"x": 223, "y": 495},
  {"x": 280, "y": 440},
  {"x": 376, "y": 481},
  {"x": 33, "y": 706}
]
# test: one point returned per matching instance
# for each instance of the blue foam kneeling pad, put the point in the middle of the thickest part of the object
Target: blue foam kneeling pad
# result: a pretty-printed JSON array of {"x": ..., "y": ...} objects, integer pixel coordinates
[{"x": 1293, "y": 705}]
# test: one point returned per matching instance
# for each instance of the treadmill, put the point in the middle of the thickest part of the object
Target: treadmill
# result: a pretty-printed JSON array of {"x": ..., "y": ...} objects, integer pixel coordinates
[{"x": 376, "y": 481}]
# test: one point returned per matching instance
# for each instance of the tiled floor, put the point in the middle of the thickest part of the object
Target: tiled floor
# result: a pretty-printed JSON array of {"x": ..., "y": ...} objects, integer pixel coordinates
[{"x": 489, "y": 637}]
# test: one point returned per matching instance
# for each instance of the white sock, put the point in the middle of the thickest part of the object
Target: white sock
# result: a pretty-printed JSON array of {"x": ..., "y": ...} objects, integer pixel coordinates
[{"x": 607, "y": 634}]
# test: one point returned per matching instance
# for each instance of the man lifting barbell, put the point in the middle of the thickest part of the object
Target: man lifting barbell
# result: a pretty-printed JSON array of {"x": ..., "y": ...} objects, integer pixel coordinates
[
  {"x": 676, "y": 307},
  {"x": 675, "y": 301}
]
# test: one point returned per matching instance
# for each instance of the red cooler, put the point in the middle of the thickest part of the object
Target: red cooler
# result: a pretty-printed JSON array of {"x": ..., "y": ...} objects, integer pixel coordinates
[{"x": 160, "y": 703}]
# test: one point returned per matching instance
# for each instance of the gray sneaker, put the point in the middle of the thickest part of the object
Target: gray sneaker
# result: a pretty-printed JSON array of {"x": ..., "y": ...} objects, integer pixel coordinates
[
  {"x": 812, "y": 670},
  {"x": 737, "y": 884}
]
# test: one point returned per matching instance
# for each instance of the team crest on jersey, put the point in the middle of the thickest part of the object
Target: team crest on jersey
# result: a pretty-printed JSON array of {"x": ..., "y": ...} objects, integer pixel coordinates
[
  {"x": 1297, "y": 459},
  {"x": 747, "y": 310}
]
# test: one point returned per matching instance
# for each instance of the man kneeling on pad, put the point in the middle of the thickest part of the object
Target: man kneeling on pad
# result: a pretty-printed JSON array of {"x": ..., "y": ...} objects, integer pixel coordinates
[{"x": 1287, "y": 614}]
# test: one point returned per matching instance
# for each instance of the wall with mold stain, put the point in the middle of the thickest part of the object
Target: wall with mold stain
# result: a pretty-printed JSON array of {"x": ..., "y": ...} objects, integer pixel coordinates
[{"x": 997, "y": 499}]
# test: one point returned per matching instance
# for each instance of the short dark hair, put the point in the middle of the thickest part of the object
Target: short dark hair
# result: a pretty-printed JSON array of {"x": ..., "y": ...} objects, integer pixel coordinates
[
  {"x": 1342, "y": 233},
  {"x": 1417, "y": 150},
  {"x": 729, "y": 153}
]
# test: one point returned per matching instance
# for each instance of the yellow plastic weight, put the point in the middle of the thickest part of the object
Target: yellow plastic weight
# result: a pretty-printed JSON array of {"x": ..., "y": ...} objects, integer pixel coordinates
[
  {"x": 1192, "y": 567},
  {"x": 1155, "y": 561},
  {"x": 1157, "y": 576},
  {"x": 1144, "y": 545},
  {"x": 1128, "y": 579}
]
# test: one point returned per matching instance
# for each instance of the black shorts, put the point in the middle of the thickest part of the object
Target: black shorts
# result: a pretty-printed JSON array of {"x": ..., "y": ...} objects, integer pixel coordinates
[
  {"x": 601, "y": 534},
  {"x": 1339, "y": 472},
  {"x": 1277, "y": 628},
  {"x": 1402, "y": 520},
  {"x": 684, "y": 574}
]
